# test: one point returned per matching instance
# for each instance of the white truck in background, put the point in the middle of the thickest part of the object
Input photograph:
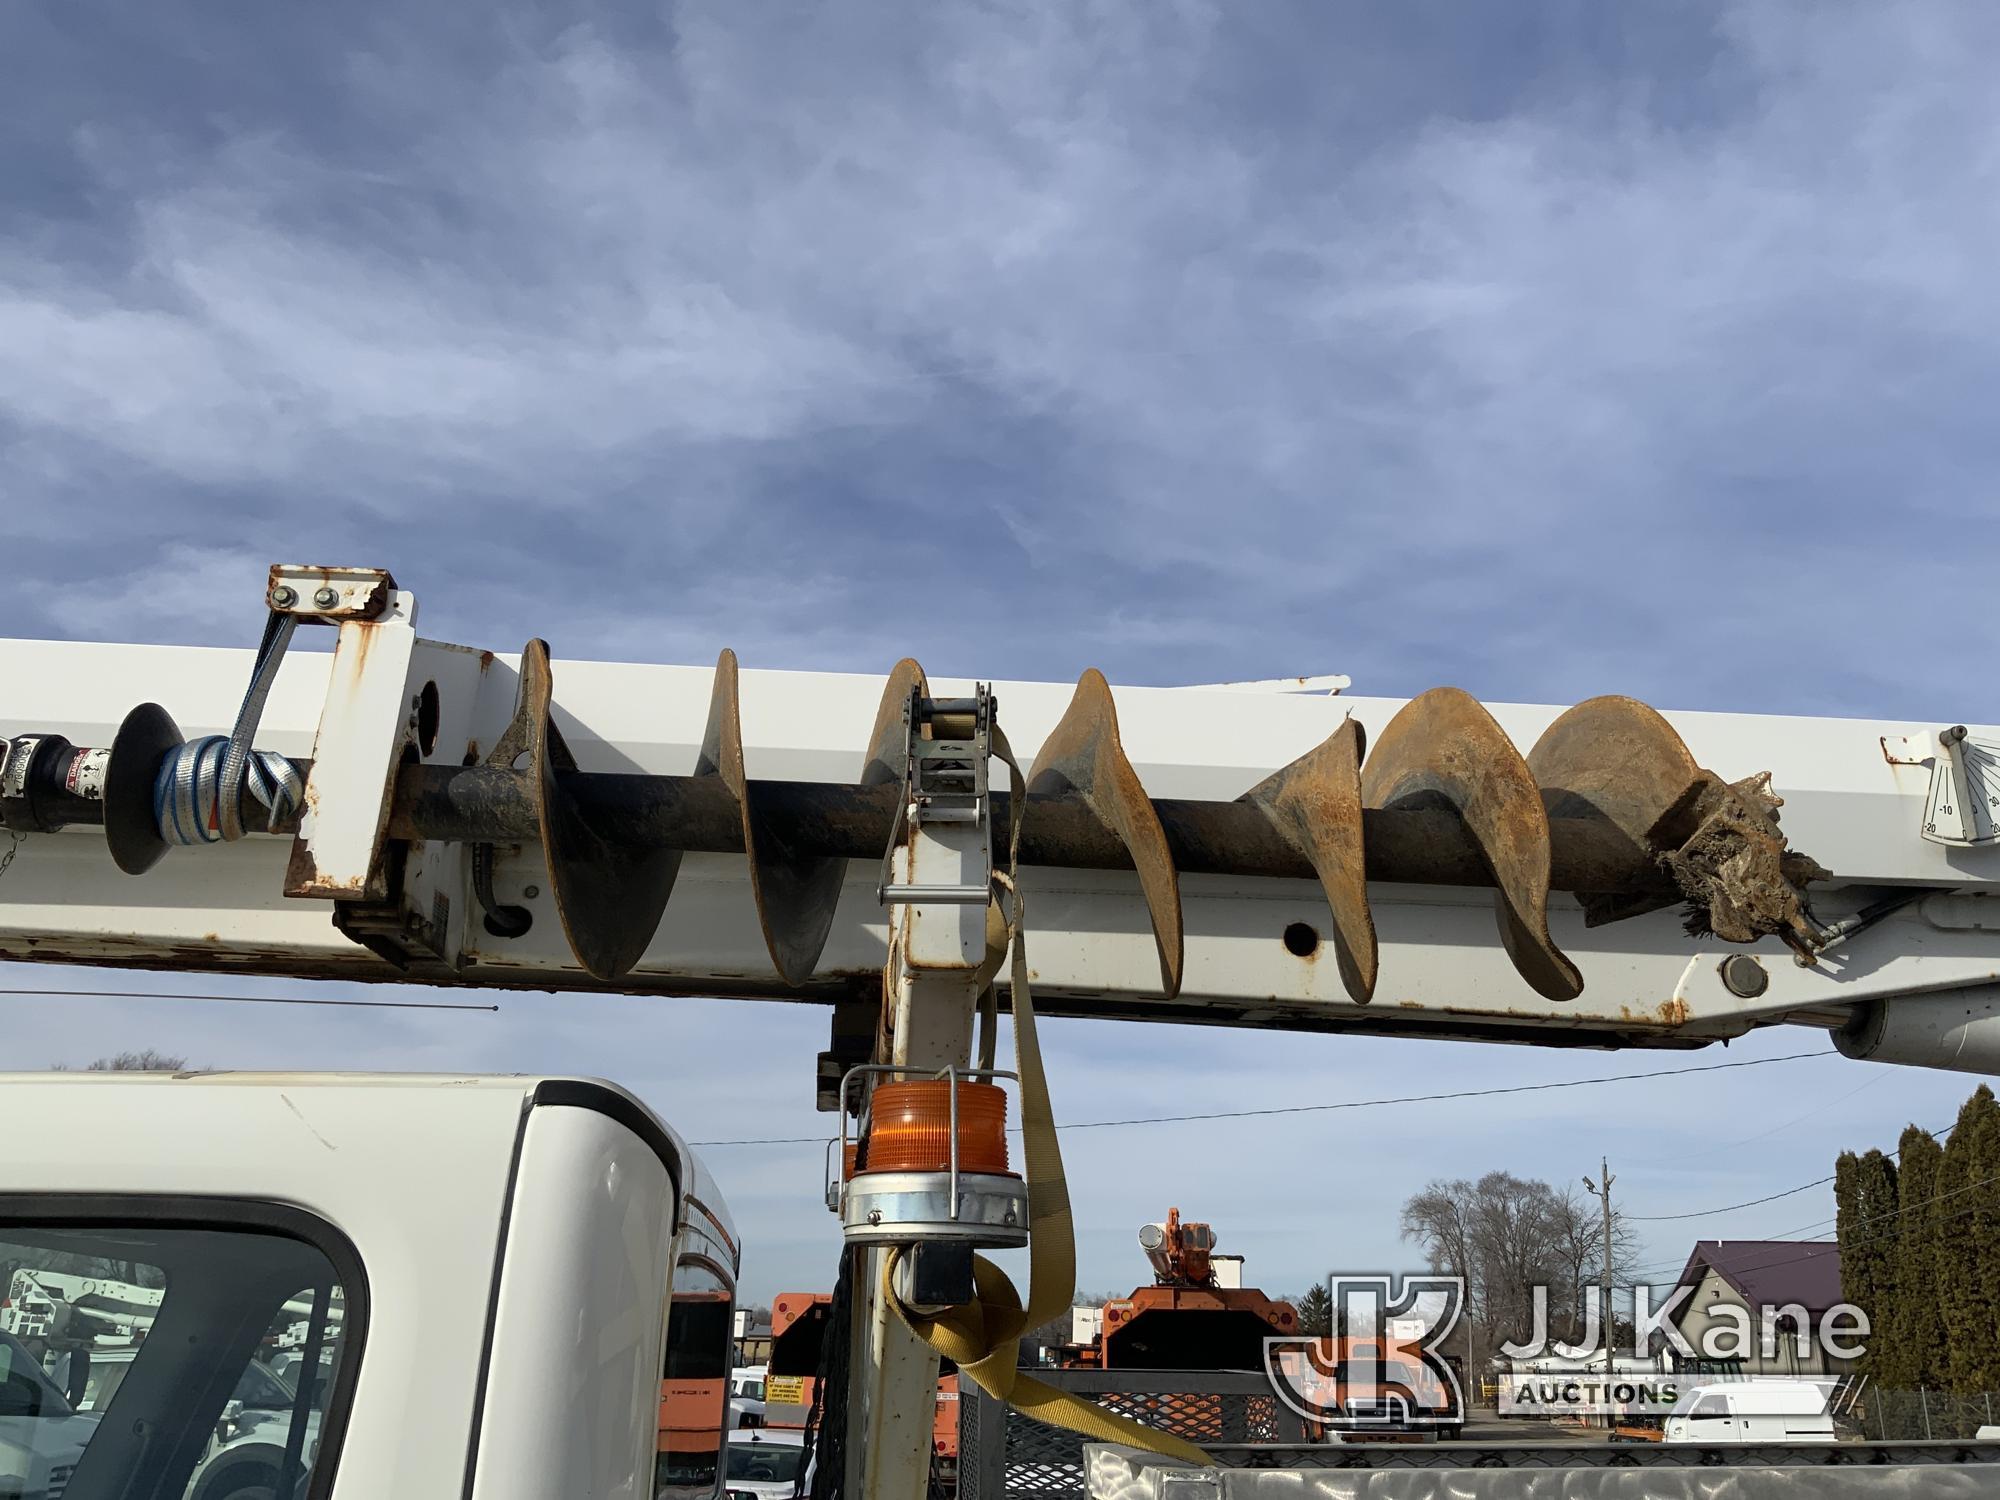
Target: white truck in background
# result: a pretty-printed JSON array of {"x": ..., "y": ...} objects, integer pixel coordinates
[{"x": 505, "y": 1251}]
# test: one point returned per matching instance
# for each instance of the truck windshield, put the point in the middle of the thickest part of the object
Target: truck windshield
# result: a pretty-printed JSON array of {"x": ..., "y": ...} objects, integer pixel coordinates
[
  {"x": 697, "y": 1340},
  {"x": 765, "y": 1460},
  {"x": 134, "y": 1360}
]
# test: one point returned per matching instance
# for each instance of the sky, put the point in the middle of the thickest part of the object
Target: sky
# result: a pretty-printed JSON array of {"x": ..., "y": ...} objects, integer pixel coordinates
[{"x": 1545, "y": 350}]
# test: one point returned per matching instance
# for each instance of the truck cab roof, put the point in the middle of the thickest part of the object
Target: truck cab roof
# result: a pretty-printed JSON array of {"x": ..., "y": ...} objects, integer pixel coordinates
[
  {"x": 471, "y": 1221},
  {"x": 461, "y": 1113}
]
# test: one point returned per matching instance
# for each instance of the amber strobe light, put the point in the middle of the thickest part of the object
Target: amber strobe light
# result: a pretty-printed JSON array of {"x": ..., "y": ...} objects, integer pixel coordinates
[
  {"x": 911, "y": 1127},
  {"x": 933, "y": 1169}
]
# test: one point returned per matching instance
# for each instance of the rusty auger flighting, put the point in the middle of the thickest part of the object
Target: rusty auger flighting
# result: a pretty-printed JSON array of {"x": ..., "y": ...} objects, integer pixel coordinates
[{"x": 1608, "y": 805}]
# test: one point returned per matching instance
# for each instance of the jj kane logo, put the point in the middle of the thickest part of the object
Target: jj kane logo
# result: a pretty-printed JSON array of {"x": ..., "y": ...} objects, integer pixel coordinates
[{"x": 1383, "y": 1367}]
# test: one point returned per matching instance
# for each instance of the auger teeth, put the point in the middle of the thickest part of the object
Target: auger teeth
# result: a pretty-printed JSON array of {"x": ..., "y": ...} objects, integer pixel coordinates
[
  {"x": 609, "y": 894},
  {"x": 1443, "y": 748},
  {"x": 888, "y": 745},
  {"x": 796, "y": 897},
  {"x": 1082, "y": 757},
  {"x": 1615, "y": 762},
  {"x": 1315, "y": 805}
]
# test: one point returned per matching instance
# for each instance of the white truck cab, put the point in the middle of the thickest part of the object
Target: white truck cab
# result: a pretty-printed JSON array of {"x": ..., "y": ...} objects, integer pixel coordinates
[
  {"x": 1754, "y": 1410},
  {"x": 486, "y": 1267},
  {"x": 764, "y": 1464},
  {"x": 746, "y": 1396}
]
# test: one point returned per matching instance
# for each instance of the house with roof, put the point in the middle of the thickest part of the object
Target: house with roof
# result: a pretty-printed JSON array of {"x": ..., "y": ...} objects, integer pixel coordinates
[{"x": 1736, "y": 1285}]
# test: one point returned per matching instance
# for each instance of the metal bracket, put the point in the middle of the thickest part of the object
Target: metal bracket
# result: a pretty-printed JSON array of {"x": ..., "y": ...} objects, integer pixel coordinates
[
  {"x": 948, "y": 746},
  {"x": 417, "y": 942},
  {"x": 329, "y": 595}
]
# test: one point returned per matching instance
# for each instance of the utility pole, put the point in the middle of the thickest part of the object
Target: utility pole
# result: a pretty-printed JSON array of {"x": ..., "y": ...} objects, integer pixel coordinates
[{"x": 1603, "y": 1195}]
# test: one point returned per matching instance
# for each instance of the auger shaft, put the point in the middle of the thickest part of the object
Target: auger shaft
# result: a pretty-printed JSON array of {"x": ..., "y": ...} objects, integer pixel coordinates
[{"x": 698, "y": 815}]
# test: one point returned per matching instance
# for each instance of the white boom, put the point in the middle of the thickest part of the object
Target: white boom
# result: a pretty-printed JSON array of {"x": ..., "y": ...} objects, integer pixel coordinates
[
  {"x": 473, "y": 818},
  {"x": 1855, "y": 799}
]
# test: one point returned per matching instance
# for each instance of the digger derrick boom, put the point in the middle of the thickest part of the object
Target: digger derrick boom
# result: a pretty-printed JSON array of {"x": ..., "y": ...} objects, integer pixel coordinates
[{"x": 1509, "y": 872}]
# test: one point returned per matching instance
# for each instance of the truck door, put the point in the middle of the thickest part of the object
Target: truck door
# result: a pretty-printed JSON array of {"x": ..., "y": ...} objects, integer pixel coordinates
[{"x": 1710, "y": 1421}]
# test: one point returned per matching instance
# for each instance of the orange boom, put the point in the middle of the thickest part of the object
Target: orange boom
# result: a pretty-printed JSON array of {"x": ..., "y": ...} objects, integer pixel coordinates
[
  {"x": 1187, "y": 1320},
  {"x": 798, "y": 1329}
]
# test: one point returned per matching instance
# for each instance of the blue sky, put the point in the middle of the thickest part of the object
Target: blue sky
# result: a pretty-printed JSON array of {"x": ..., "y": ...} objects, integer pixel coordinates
[{"x": 1542, "y": 349}]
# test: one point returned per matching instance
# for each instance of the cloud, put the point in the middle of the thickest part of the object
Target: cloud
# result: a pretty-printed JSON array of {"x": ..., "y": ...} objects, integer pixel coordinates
[
  {"x": 199, "y": 587},
  {"x": 1547, "y": 354},
  {"x": 749, "y": 296}
]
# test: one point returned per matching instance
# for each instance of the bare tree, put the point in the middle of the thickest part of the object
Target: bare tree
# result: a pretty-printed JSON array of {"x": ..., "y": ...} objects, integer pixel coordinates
[
  {"x": 1439, "y": 1220},
  {"x": 145, "y": 1060},
  {"x": 1512, "y": 1223},
  {"x": 1577, "y": 1230},
  {"x": 1505, "y": 1235},
  {"x": 1577, "y": 1244}
]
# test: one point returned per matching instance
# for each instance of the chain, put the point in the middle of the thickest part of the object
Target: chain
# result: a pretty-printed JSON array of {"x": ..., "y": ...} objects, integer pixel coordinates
[{"x": 12, "y": 849}]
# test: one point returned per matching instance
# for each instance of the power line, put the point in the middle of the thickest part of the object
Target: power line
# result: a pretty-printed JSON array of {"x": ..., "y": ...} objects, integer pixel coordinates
[
  {"x": 1306, "y": 1109},
  {"x": 1518, "y": 1088},
  {"x": 1704, "y": 1213},
  {"x": 254, "y": 999},
  {"x": 1877, "y": 1078},
  {"x": 1880, "y": 1239},
  {"x": 1901, "y": 1208},
  {"x": 1896, "y": 1213}
]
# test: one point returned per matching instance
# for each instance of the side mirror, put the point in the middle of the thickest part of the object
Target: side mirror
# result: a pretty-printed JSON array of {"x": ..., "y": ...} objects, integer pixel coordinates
[
  {"x": 78, "y": 1379},
  {"x": 230, "y": 1424}
]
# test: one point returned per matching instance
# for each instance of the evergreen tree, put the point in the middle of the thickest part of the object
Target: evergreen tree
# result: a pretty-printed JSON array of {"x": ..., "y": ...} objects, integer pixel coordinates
[
  {"x": 1854, "y": 1284},
  {"x": 1315, "y": 1310},
  {"x": 1965, "y": 1215},
  {"x": 1981, "y": 1229},
  {"x": 1864, "y": 1190},
  {"x": 1915, "y": 1328}
]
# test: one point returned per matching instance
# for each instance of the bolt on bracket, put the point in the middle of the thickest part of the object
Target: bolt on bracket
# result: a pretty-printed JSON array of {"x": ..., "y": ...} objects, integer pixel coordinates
[{"x": 329, "y": 594}]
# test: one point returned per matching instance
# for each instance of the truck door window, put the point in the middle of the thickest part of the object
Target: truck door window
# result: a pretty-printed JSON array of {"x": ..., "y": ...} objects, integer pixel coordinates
[
  {"x": 165, "y": 1338},
  {"x": 24, "y": 1390},
  {"x": 257, "y": 1388}
]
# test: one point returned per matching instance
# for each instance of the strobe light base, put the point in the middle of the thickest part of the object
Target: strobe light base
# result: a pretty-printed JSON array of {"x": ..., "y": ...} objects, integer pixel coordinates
[{"x": 899, "y": 1208}]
